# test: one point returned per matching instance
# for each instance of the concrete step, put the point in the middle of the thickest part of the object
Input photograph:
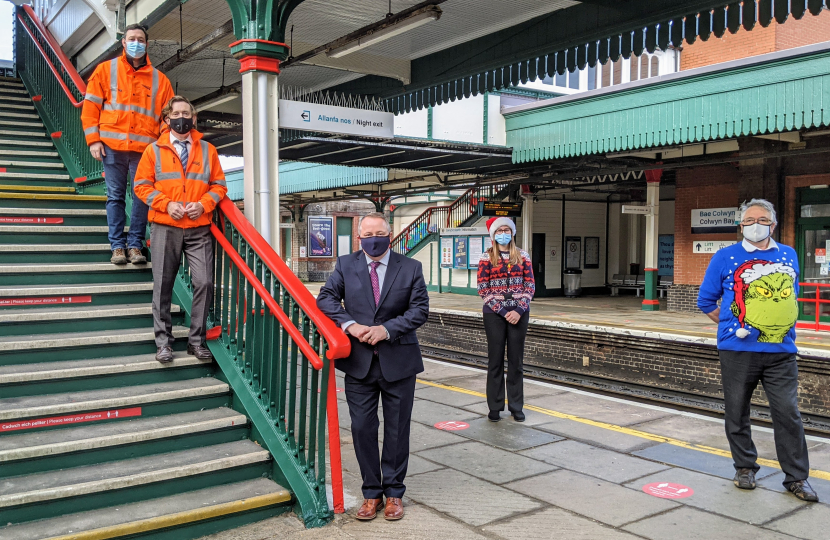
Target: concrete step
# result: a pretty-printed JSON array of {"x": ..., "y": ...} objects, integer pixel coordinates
[
  {"x": 81, "y": 345},
  {"x": 107, "y": 399},
  {"x": 16, "y": 106},
  {"x": 87, "y": 438},
  {"x": 14, "y": 99},
  {"x": 31, "y": 164},
  {"x": 11, "y": 123},
  {"x": 44, "y": 495},
  {"x": 16, "y": 142},
  {"x": 99, "y": 212},
  {"x": 258, "y": 498},
  {"x": 73, "y": 273},
  {"x": 51, "y": 200},
  {"x": 54, "y": 253},
  {"x": 34, "y": 176},
  {"x": 36, "y": 153},
  {"x": 74, "y": 319},
  {"x": 21, "y": 133},
  {"x": 63, "y": 296},
  {"x": 50, "y": 234},
  {"x": 24, "y": 116}
]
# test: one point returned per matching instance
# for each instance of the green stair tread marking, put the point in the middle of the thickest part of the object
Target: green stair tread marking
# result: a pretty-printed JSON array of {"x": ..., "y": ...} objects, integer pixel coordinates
[
  {"x": 46, "y": 248},
  {"x": 51, "y": 268},
  {"x": 24, "y": 291},
  {"x": 79, "y": 339},
  {"x": 36, "y": 153},
  {"x": 78, "y": 314},
  {"x": 54, "y": 485},
  {"x": 87, "y": 437},
  {"x": 62, "y": 229},
  {"x": 150, "y": 509},
  {"x": 16, "y": 142},
  {"x": 37, "y": 212},
  {"x": 111, "y": 398},
  {"x": 26, "y": 164}
]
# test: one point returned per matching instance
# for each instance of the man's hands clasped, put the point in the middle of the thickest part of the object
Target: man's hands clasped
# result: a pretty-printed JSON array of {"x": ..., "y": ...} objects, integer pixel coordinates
[
  {"x": 177, "y": 210},
  {"x": 367, "y": 334}
]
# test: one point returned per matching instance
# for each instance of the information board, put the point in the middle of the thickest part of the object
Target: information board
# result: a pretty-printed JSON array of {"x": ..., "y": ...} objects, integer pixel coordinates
[
  {"x": 320, "y": 236},
  {"x": 446, "y": 252},
  {"x": 459, "y": 252},
  {"x": 332, "y": 119},
  {"x": 501, "y": 209},
  {"x": 714, "y": 220},
  {"x": 665, "y": 255},
  {"x": 475, "y": 248}
]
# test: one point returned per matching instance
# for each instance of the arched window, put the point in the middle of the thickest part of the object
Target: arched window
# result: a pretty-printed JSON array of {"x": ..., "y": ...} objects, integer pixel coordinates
[
  {"x": 644, "y": 66},
  {"x": 618, "y": 71},
  {"x": 606, "y": 74},
  {"x": 633, "y": 61},
  {"x": 655, "y": 66}
]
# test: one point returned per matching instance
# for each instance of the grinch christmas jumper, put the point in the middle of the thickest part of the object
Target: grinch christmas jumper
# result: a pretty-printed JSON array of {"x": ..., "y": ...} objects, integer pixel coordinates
[{"x": 758, "y": 290}]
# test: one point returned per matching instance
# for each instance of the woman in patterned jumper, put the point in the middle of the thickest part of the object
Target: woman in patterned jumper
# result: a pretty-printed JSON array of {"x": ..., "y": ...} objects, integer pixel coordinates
[{"x": 505, "y": 282}]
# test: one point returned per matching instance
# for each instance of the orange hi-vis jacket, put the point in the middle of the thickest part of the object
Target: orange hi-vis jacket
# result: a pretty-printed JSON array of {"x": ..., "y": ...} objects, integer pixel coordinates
[
  {"x": 161, "y": 179},
  {"x": 122, "y": 106}
]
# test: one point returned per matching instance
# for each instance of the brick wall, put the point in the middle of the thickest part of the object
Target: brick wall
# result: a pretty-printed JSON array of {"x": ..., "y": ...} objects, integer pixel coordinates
[
  {"x": 682, "y": 298},
  {"x": 659, "y": 364},
  {"x": 701, "y": 187},
  {"x": 743, "y": 44}
]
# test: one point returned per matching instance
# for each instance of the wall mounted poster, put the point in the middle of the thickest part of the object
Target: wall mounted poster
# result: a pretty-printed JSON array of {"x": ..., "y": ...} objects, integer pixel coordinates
[
  {"x": 446, "y": 252},
  {"x": 459, "y": 252},
  {"x": 573, "y": 252},
  {"x": 592, "y": 252},
  {"x": 320, "y": 236},
  {"x": 475, "y": 249},
  {"x": 665, "y": 255}
]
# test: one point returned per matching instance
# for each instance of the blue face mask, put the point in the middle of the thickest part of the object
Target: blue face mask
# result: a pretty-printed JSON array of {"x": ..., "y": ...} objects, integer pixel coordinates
[
  {"x": 136, "y": 49},
  {"x": 503, "y": 238},
  {"x": 375, "y": 245}
]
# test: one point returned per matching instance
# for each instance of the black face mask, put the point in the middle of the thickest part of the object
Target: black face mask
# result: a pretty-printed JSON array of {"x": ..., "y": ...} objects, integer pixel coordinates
[{"x": 181, "y": 125}]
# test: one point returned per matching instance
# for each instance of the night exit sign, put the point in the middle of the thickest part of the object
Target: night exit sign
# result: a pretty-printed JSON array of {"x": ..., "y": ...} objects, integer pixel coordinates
[{"x": 501, "y": 209}]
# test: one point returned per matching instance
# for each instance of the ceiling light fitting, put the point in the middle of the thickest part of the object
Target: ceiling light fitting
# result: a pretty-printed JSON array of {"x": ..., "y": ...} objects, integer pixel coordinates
[{"x": 392, "y": 27}]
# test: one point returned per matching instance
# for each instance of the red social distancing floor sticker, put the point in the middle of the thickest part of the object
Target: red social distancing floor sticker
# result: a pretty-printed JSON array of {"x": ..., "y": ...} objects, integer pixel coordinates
[
  {"x": 452, "y": 425},
  {"x": 667, "y": 490},
  {"x": 70, "y": 419}
]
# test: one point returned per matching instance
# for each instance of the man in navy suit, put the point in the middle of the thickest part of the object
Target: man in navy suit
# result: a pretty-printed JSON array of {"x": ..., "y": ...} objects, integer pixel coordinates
[{"x": 379, "y": 298}]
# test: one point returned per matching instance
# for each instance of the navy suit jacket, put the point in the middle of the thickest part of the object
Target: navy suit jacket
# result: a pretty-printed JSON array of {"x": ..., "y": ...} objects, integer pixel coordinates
[{"x": 403, "y": 308}]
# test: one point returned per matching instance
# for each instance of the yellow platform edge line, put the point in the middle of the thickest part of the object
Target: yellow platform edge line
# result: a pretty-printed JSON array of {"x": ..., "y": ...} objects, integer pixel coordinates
[
  {"x": 178, "y": 519},
  {"x": 38, "y": 188},
  {"x": 815, "y": 473},
  {"x": 52, "y": 197}
]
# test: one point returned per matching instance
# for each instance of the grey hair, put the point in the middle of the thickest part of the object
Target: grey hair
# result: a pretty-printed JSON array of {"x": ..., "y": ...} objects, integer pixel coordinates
[
  {"x": 376, "y": 215},
  {"x": 762, "y": 203}
]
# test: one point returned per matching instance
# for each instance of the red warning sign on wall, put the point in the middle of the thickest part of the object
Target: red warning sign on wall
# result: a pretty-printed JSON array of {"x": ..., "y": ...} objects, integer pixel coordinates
[
  {"x": 667, "y": 490},
  {"x": 36, "y": 220},
  {"x": 45, "y": 300},
  {"x": 70, "y": 419},
  {"x": 452, "y": 425}
]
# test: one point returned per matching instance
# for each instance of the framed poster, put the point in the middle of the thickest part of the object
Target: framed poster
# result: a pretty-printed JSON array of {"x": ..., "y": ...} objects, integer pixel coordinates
[
  {"x": 459, "y": 256},
  {"x": 320, "y": 236},
  {"x": 665, "y": 255},
  {"x": 488, "y": 243},
  {"x": 475, "y": 248},
  {"x": 591, "y": 252},
  {"x": 573, "y": 252},
  {"x": 446, "y": 252}
]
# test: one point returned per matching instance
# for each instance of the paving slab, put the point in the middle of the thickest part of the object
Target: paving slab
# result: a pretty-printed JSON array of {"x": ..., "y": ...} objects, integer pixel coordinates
[
  {"x": 434, "y": 371},
  {"x": 532, "y": 418},
  {"x": 448, "y": 397},
  {"x": 554, "y": 524},
  {"x": 597, "y": 408},
  {"x": 467, "y": 498},
  {"x": 422, "y": 437},
  {"x": 419, "y": 523},
  {"x": 691, "y": 524},
  {"x": 486, "y": 462},
  {"x": 470, "y": 380},
  {"x": 697, "y": 460},
  {"x": 720, "y": 496},
  {"x": 775, "y": 483},
  {"x": 811, "y": 522},
  {"x": 584, "y": 458},
  {"x": 588, "y": 496},
  {"x": 597, "y": 436},
  {"x": 507, "y": 434},
  {"x": 430, "y": 412},
  {"x": 418, "y": 465},
  {"x": 819, "y": 455}
]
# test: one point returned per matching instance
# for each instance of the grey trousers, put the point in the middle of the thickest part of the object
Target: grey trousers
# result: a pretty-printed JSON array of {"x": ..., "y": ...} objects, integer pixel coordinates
[{"x": 166, "y": 247}]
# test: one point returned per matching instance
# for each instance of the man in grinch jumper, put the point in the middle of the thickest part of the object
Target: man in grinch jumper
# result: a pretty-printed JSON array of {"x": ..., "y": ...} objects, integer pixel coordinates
[{"x": 756, "y": 282}]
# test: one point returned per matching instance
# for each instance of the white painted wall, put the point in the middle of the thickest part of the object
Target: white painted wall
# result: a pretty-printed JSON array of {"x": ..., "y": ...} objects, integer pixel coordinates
[
  {"x": 496, "y": 130},
  {"x": 588, "y": 219},
  {"x": 461, "y": 120},
  {"x": 412, "y": 124}
]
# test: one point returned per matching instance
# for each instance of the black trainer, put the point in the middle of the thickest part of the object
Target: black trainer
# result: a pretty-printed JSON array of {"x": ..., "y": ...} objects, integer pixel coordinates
[
  {"x": 803, "y": 490},
  {"x": 519, "y": 416},
  {"x": 744, "y": 479},
  {"x": 494, "y": 416}
]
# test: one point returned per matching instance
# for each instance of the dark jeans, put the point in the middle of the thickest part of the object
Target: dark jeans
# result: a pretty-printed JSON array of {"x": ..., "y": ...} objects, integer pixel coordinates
[
  {"x": 382, "y": 474},
  {"x": 741, "y": 372},
  {"x": 500, "y": 332},
  {"x": 119, "y": 170}
]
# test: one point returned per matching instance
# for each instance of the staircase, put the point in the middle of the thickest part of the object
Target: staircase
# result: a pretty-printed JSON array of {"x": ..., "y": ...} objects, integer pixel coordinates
[{"x": 97, "y": 439}]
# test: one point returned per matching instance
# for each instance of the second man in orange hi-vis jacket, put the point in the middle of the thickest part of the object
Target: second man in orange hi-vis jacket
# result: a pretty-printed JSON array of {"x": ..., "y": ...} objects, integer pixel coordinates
[
  {"x": 121, "y": 116},
  {"x": 179, "y": 177}
]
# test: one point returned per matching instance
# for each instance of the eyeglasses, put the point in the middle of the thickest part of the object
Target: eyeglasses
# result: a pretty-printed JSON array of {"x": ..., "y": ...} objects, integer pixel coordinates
[
  {"x": 759, "y": 221},
  {"x": 507, "y": 230}
]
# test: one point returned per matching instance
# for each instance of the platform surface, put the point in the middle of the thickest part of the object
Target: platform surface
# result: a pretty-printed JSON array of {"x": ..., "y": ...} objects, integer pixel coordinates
[{"x": 576, "y": 469}]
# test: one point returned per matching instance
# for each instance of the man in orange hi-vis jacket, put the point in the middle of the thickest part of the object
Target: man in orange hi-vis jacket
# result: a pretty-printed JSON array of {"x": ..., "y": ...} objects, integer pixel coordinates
[
  {"x": 181, "y": 180},
  {"x": 121, "y": 116}
]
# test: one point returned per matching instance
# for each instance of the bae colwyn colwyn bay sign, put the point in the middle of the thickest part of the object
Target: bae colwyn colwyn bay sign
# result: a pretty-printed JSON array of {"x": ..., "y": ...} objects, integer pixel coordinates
[{"x": 714, "y": 220}]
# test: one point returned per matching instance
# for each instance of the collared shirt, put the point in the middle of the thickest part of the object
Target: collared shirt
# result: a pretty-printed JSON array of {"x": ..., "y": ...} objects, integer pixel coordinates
[
  {"x": 381, "y": 271},
  {"x": 750, "y": 248},
  {"x": 177, "y": 146}
]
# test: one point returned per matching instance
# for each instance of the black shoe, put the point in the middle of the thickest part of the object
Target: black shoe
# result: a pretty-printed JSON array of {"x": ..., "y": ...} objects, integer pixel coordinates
[
  {"x": 744, "y": 479},
  {"x": 164, "y": 355},
  {"x": 803, "y": 490},
  {"x": 199, "y": 351},
  {"x": 494, "y": 416},
  {"x": 519, "y": 416}
]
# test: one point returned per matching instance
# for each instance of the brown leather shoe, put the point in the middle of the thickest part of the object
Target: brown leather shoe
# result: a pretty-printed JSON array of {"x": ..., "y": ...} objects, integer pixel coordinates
[
  {"x": 164, "y": 355},
  {"x": 135, "y": 256},
  {"x": 118, "y": 256},
  {"x": 369, "y": 509},
  {"x": 199, "y": 351},
  {"x": 394, "y": 509}
]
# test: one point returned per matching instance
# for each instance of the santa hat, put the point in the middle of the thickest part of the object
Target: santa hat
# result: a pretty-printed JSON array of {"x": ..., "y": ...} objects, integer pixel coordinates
[
  {"x": 746, "y": 274},
  {"x": 495, "y": 223}
]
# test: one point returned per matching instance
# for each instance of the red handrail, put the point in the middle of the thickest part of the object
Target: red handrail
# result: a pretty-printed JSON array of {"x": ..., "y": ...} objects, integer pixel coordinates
[
  {"x": 339, "y": 345},
  {"x": 62, "y": 58},
  {"x": 817, "y": 326}
]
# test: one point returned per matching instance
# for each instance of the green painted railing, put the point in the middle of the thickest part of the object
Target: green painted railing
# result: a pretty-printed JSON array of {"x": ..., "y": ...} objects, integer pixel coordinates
[
  {"x": 276, "y": 349},
  {"x": 58, "y": 93}
]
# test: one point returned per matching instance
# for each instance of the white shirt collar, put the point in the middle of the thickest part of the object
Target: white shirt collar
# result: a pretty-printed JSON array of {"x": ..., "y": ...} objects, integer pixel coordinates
[
  {"x": 384, "y": 261},
  {"x": 174, "y": 140},
  {"x": 750, "y": 248}
]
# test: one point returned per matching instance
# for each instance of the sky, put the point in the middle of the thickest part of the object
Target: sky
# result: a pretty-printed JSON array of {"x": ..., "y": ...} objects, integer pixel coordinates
[{"x": 6, "y": 12}]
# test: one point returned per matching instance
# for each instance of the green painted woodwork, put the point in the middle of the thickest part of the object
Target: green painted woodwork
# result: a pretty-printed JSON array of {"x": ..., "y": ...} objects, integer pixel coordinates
[
  {"x": 105, "y": 322},
  {"x": 28, "y": 200},
  {"x": 55, "y": 257},
  {"x": 650, "y": 291},
  {"x": 717, "y": 104},
  {"x": 85, "y": 352},
  {"x": 265, "y": 21},
  {"x": 77, "y": 278}
]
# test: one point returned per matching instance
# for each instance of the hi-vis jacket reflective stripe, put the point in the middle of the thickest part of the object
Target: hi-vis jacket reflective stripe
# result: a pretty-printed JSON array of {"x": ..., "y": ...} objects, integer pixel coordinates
[
  {"x": 122, "y": 107},
  {"x": 161, "y": 179}
]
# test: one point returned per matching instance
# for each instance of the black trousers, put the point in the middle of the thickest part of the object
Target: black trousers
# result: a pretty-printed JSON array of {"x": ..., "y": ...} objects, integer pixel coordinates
[
  {"x": 500, "y": 333},
  {"x": 741, "y": 372},
  {"x": 382, "y": 474}
]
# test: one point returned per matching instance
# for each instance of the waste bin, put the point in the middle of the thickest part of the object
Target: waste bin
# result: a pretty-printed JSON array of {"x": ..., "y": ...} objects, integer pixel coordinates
[{"x": 573, "y": 283}]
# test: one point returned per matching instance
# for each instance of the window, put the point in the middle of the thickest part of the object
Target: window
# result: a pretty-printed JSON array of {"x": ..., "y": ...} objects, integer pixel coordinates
[
  {"x": 606, "y": 74},
  {"x": 618, "y": 71},
  {"x": 573, "y": 79},
  {"x": 592, "y": 77},
  {"x": 562, "y": 80},
  {"x": 634, "y": 68},
  {"x": 655, "y": 66},
  {"x": 644, "y": 67},
  {"x": 547, "y": 80}
]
